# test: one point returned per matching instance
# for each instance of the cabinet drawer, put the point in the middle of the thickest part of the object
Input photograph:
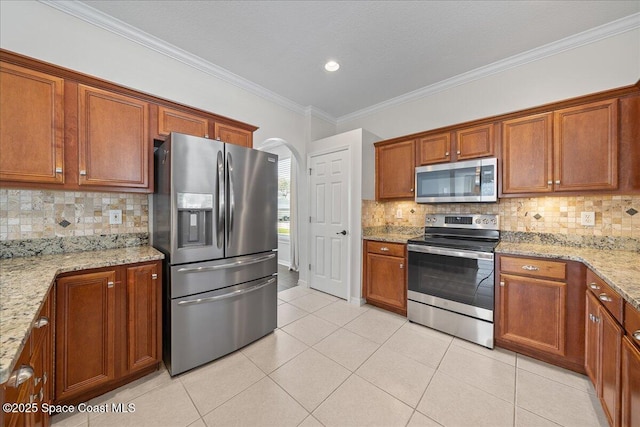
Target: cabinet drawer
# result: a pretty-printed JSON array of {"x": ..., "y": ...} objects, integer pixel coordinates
[
  {"x": 632, "y": 322},
  {"x": 607, "y": 296},
  {"x": 534, "y": 267},
  {"x": 385, "y": 248}
]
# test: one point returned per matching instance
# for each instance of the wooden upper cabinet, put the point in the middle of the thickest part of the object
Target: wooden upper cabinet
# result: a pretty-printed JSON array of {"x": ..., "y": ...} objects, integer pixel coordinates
[
  {"x": 395, "y": 170},
  {"x": 586, "y": 147},
  {"x": 31, "y": 126},
  {"x": 233, "y": 135},
  {"x": 474, "y": 142},
  {"x": 171, "y": 120},
  {"x": 527, "y": 154},
  {"x": 434, "y": 149},
  {"x": 113, "y": 139}
]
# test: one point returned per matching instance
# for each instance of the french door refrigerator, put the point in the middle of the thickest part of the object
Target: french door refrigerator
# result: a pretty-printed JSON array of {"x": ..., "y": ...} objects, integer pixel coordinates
[{"x": 215, "y": 219}]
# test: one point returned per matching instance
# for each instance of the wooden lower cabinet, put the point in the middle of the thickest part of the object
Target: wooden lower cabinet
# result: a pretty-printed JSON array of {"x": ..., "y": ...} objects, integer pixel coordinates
[
  {"x": 630, "y": 374},
  {"x": 539, "y": 309},
  {"x": 36, "y": 364},
  {"x": 609, "y": 370},
  {"x": 107, "y": 329},
  {"x": 385, "y": 278}
]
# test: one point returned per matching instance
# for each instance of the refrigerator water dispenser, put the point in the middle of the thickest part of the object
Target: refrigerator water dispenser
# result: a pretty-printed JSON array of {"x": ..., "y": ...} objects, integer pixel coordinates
[{"x": 195, "y": 212}]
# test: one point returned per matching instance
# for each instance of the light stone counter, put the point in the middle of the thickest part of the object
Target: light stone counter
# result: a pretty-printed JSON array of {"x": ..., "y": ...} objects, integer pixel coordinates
[
  {"x": 390, "y": 237},
  {"x": 619, "y": 269},
  {"x": 25, "y": 282}
]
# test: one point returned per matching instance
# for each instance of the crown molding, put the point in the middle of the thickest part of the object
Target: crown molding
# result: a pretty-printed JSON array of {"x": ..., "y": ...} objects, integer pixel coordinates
[
  {"x": 312, "y": 111},
  {"x": 610, "y": 29},
  {"x": 100, "y": 19}
]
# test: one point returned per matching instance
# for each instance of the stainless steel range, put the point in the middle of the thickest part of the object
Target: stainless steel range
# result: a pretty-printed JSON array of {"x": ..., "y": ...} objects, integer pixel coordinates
[{"x": 451, "y": 272}]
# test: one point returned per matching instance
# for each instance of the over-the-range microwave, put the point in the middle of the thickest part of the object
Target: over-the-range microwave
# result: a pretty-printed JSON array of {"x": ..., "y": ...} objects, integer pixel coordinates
[{"x": 467, "y": 181}]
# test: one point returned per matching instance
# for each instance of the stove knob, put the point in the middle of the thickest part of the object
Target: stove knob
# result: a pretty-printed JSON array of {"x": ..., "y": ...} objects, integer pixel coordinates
[
  {"x": 486, "y": 221},
  {"x": 493, "y": 221},
  {"x": 477, "y": 220}
]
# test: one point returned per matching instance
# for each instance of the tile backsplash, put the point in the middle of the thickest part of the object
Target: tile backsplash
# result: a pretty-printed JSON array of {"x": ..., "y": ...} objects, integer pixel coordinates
[
  {"x": 615, "y": 215},
  {"x": 36, "y": 214}
]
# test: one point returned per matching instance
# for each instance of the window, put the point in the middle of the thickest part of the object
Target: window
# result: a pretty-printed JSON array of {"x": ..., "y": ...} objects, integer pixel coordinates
[{"x": 284, "y": 199}]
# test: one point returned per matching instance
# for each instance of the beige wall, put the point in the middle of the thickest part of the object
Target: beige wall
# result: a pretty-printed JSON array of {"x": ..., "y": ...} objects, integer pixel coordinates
[{"x": 558, "y": 215}]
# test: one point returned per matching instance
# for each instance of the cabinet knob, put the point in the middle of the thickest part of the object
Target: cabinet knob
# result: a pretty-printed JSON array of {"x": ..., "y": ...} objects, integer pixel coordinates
[
  {"x": 206, "y": 135},
  {"x": 41, "y": 322},
  {"x": 384, "y": 249},
  {"x": 502, "y": 283},
  {"x": 549, "y": 182},
  {"x": 58, "y": 170},
  {"x": 110, "y": 284},
  {"x": 20, "y": 376},
  {"x": 458, "y": 152},
  {"x": 557, "y": 181},
  {"x": 530, "y": 268},
  {"x": 446, "y": 153},
  {"x": 411, "y": 190},
  {"x": 83, "y": 173},
  {"x": 604, "y": 297},
  {"x": 594, "y": 286},
  {"x": 636, "y": 335},
  {"x": 154, "y": 276},
  {"x": 401, "y": 266}
]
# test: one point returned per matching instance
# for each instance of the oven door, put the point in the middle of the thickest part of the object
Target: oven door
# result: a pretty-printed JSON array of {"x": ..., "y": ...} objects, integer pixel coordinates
[{"x": 455, "y": 280}]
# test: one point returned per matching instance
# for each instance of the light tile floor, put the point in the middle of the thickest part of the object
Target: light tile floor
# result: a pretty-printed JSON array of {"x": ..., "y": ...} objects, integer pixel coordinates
[{"x": 334, "y": 364}]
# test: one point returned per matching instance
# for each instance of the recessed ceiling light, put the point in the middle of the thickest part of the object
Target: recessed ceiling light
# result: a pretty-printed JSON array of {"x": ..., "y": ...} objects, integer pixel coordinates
[{"x": 331, "y": 66}]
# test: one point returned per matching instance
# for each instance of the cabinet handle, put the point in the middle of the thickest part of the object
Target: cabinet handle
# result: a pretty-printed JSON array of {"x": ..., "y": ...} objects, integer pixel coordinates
[
  {"x": 20, "y": 376},
  {"x": 154, "y": 276},
  {"x": 591, "y": 317},
  {"x": 530, "y": 268},
  {"x": 39, "y": 396},
  {"x": 594, "y": 286},
  {"x": 83, "y": 173},
  {"x": 605, "y": 298},
  {"x": 41, "y": 322},
  {"x": 401, "y": 266},
  {"x": 502, "y": 283},
  {"x": 636, "y": 335},
  {"x": 458, "y": 152},
  {"x": 110, "y": 284},
  {"x": 411, "y": 190},
  {"x": 549, "y": 182},
  {"x": 557, "y": 181},
  {"x": 384, "y": 249},
  {"x": 58, "y": 170}
]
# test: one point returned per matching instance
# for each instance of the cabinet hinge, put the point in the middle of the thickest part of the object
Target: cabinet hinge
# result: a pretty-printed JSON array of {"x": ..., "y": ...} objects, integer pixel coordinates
[
  {"x": 309, "y": 220},
  {"x": 309, "y": 266},
  {"x": 309, "y": 171}
]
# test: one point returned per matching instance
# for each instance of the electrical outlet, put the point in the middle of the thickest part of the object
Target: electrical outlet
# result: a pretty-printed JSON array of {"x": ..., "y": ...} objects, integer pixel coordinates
[
  {"x": 399, "y": 213},
  {"x": 115, "y": 216},
  {"x": 588, "y": 218}
]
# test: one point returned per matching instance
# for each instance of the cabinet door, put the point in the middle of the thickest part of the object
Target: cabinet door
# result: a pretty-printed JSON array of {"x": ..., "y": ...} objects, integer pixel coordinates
[
  {"x": 233, "y": 135},
  {"x": 113, "y": 139},
  {"x": 170, "y": 120},
  {"x": 592, "y": 340},
  {"x": 610, "y": 344},
  {"x": 395, "y": 170},
  {"x": 586, "y": 147},
  {"x": 527, "y": 154},
  {"x": 18, "y": 393},
  {"x": 385, "y": 281},
  {"x": 434, "y": 149},
  {"x": 532, "y": 313},
  {"x": 630, "y": 374},
  {"x": 143, "y": 316},
  {"x": 85, "y": 332},
  {"x": 31, "y": 126},
  {"x": 475, "y": 142}
]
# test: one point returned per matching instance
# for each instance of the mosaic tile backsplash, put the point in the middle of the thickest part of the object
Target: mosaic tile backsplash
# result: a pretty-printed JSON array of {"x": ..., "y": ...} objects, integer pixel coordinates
[
  {"x": 616, "y": 216},
  {"x": 38, "y": 214}
]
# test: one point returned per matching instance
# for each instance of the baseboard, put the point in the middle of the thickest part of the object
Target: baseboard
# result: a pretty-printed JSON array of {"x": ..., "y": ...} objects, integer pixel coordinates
[
  {"x": 357, "y": 301},
  {"x": 303, "y": 283}
]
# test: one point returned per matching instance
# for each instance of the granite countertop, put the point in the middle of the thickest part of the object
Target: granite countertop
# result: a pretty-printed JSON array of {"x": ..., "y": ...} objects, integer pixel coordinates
[
  {"x": 25, "y": 282},
  {"x": 390, "y": 237},
  {"x": 619, "y": 269}
]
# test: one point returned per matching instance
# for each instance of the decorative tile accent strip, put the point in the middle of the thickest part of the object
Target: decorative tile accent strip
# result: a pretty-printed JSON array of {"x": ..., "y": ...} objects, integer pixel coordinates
[{"x": 58, "y": 245}]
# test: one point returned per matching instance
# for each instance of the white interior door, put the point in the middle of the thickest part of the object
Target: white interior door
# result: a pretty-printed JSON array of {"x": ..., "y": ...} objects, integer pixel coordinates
[{"x": 329, "y": 223}]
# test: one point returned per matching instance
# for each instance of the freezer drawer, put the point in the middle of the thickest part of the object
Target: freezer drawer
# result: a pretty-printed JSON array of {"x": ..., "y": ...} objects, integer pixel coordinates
[
  {"x": 209, "y": 325},
  {"x": 195, "y": 278}
]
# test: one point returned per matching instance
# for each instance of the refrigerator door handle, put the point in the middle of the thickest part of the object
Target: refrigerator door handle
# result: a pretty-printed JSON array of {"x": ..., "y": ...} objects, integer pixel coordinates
[
  {"x": 232, "y": 202},
  {"x": 228, "y": 295},
  {"x": 223, "y": 266},
  {"x": 221, "y": 204}
]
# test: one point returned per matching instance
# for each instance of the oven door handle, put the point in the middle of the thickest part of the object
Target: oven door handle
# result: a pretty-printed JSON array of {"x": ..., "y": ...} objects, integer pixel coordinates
[{"x": 460, "y": 253}]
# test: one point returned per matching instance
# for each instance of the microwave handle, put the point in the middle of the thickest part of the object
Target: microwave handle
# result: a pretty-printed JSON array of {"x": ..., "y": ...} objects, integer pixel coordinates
[{"x": 478, "y": 170}]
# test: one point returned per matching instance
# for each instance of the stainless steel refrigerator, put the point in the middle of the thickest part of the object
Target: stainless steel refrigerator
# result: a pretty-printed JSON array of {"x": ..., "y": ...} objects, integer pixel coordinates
[{"x": 215, "y": 219}]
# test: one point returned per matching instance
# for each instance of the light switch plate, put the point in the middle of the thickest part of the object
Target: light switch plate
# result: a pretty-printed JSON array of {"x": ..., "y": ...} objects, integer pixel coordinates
[
  {"x": 115, "y": 216},
  {"x": 588, "y": 218}
]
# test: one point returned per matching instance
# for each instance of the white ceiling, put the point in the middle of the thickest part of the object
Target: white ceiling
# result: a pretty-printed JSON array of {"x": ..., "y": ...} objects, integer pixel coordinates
[{"x": 386, "y": 48}]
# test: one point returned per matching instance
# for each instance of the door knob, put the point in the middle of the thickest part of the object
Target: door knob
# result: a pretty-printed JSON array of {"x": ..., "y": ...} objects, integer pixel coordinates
[{"x": 343, "y": 232}]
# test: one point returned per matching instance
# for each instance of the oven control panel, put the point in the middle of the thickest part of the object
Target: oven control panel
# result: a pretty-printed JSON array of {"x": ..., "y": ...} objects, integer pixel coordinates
[{"x": 475, "y": 221}]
